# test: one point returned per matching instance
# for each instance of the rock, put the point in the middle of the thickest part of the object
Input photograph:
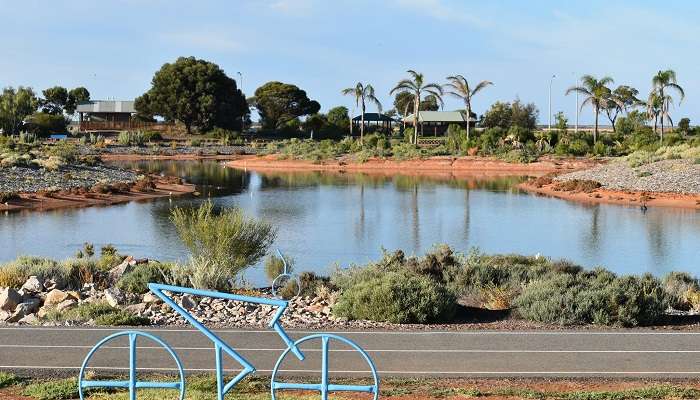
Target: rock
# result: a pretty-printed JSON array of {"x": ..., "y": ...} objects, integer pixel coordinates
[
  {"x": 33, "y": 285},
  {"x": 114, "y": 296},
  {"x": 53, "y": 284},
  {"x": 9, "y": 298},
  {"x": 67, "y": 304},
  {"x": 74, "y": 294},
  {"x": 188, "y": 302},
  {"x": 136, "y": 309},
  {"x": 22, "y": 310},
  {"x": 117, "y": 272},
  {"x": 4, "y": 315},
  {"x": 30, "y": 319},
  {"x": 151, "y": 298},
  {"x": 55, "y": 296},
  {"x": 31, "y": 304},
  {"x": 43, "y": 311}
]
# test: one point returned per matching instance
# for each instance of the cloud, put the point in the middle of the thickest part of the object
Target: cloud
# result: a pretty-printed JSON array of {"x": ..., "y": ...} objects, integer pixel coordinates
[{"x": 204, "y": 40}]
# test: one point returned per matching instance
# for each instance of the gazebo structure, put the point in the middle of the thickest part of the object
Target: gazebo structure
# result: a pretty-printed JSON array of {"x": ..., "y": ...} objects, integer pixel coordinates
[
  {"x": 381, "y": 121},
  {"x": 436, "y": 122}
]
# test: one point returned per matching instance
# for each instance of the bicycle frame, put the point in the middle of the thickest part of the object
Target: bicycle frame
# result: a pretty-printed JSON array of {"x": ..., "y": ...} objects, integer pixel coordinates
[{"x": 220, "y": 345}]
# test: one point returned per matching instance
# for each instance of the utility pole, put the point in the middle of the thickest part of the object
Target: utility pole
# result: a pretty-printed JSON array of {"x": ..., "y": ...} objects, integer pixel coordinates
[{"x": 550, "y": 101}]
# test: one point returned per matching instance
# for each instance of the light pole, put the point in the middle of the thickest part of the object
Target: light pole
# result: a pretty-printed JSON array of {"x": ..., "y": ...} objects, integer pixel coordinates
[
  {"x": 240, "y": 75},
  {"x": 550, "y": 102},
  {"x": 577, "y": 107}
]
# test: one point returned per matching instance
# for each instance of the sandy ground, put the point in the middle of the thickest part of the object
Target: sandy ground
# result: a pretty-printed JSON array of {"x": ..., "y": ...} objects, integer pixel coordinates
[
  {"x": 39, "y": 202},
  {"x": 626, "y": 198}
]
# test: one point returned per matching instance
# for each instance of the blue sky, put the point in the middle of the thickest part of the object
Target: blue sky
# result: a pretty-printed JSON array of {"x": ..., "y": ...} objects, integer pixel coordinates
[{"x": 113, "y": 48}]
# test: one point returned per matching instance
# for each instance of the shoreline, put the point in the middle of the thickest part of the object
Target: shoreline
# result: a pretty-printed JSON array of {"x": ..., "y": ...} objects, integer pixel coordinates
[
  {"x": 617, "y": 197},
  {"x": 176, "y": 157},
  {"x": 62, "y": 200},
  {"x": 445, "y": 164}
]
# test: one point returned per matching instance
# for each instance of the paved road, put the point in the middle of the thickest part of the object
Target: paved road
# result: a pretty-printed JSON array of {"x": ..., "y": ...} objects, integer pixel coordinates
[{"x": 470, "y": 354}]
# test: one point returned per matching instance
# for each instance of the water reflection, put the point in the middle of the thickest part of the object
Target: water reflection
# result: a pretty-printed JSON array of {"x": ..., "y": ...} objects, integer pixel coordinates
[{"x": 328, "y": 217}]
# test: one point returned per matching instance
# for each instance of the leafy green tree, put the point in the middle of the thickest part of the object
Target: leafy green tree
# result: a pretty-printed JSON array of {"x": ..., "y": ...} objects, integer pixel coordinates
[
  {"x": 620, "y": 100},
  {"x": 363, "y": 94},
  {"x": 417, "y": 86},
  {"x": 45, "y": 124},
  {"x": 75, "y": 97},
  {"x": 504, "y": 115},
  {"x": 459, "y": 87},
  {"x": 560, "y": 121},
  {"x": 315, "y": 123},
  {"x": 684, "y": 125},
  {"x": 15, "y": 106},
  {"x": 662, "y": 82},
  {"x": 596, "y": 94},
  {"x": 195, "y": 92},
  {"x": 278, "y": 103},
  {"x": 55, "y": 99},
  {"x": 339, "y": 118}
]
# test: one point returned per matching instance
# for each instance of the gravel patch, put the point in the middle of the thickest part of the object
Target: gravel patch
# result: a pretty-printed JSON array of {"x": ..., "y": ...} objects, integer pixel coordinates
[
  {"x": 31, "y": 180},
  {"x": 668, "y": 176}
]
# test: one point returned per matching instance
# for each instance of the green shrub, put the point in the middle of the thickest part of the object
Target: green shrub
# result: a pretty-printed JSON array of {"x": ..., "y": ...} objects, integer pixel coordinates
[
  {"x": 229, "y": 240},
  {"x": 579, "y": 147},
  {"x": 8, "y": 196},
  {"x": 7, "y": 379},
  {"x": 121, "y": 318},
  {"x": 397, "y": 297},
  {"x": 152, "y": 136},
  {"x": 64, "y": 389},
  {"x": 676, "y": 285},
  {"x": 405, "y": 151},
  {"x": 64, "y": 150},
  {"x": 274, "y": 266},
  {"x": 597, "y": 297},
  {"x": 128, "y": 138},
  {"x": 138, "y": 279}
]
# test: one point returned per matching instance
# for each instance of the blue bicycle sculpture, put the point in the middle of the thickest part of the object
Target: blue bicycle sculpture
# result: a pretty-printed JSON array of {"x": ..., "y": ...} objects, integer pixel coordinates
[{"x": 220, "y": 347}]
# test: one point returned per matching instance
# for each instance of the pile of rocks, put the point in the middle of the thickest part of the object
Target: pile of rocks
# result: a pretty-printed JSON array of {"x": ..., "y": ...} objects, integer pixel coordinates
[{"x": 34, "y": 299}]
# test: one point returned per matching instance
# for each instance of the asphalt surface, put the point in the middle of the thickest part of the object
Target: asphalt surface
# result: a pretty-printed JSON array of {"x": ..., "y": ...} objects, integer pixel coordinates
[{"x": 46, "y": 351}]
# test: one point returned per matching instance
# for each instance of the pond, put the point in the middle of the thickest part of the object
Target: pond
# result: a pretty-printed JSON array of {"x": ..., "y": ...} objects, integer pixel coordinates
[{"x": 328, "y": 218}]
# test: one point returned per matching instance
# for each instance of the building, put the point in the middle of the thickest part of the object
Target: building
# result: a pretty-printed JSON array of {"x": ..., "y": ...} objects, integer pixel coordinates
[
  {"x": 376, "y": 120},
  {"x": 112, "y": 116},
  {"x": 435, "y": 123}
]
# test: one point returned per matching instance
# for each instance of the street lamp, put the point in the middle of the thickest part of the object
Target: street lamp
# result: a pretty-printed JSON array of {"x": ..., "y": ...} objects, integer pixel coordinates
[
  {"x": 550, "y": 101},
  {"x": 240, "y": 75},
  {"x": 577, "y": 106}
]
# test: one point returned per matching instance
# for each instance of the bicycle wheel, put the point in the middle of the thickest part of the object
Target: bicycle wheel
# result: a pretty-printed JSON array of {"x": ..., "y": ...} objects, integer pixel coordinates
[
  {"x": 324, "y": 387},
  {"x": 132, "y": 384},
  {"x": 281, "y": 281}
]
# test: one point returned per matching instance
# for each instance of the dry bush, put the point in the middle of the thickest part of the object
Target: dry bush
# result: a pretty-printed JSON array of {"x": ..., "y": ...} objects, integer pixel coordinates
[
  {"x": 542, "y": 181},
  {"x": 145, "y": 184},
  {"x": 495, "y": 297},
  {"x": 577, "y": 186}
]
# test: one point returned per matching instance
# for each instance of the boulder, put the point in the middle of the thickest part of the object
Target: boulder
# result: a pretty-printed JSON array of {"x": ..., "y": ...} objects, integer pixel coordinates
[
  {"x": 51, "y": 284},
  {"x": 188, "y": 302},
  {"x": 22, "y": 310},
  {"x": 43, "y": 311},
  {"x": 9, "y": 298},
  {"x": 4, "y": 315},
  {"x": 136, "y": 309},
  {"x": 31, "y": 304},
  {"x": 33, "y": 285},
  {"x": 114, "y": 296},
  {"x": 67, "y": 304},
  {"x": 30, "y": 319},
  {"x": 55, "y": 296},
  {"x": 117, "y": 272},
  {"x": 150, "y": 298}
]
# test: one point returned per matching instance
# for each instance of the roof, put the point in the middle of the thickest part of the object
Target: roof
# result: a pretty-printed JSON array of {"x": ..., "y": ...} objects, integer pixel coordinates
[
  {"x": 107, "y": 106},
  {"x": 372, "y": 117},
  {"x": 438, "y": 116}
]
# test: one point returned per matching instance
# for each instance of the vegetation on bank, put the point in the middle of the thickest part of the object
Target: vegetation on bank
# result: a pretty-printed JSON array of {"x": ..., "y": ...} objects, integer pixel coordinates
[{"x": 203, "y": 387}]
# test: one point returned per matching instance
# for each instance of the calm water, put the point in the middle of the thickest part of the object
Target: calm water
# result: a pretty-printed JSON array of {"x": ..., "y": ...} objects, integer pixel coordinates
[{"x": 326, "y": 218}]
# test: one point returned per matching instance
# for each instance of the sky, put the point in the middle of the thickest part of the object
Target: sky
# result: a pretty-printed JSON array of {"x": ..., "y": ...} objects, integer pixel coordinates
[{"x": 114, "y": 48}]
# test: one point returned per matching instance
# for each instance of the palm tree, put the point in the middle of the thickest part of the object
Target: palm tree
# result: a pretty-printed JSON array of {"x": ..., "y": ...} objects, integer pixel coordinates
[
  {"x": 661, "y": 82},
  {"x": 363, "y": 94},
  {"x": 597, "y": 95},
  {"x": 653, "y": 106},
  {"x": 417, "y": 87},
  {"x": 459, "y": 87}
]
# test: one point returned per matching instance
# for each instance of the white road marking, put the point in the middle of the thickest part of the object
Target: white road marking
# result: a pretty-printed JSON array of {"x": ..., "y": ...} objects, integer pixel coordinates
[{"x": 23, "y": 346}]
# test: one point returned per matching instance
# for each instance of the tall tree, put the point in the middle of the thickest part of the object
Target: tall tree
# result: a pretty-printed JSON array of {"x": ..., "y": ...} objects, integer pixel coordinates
[
  {"x": 339, "y": 118},
  {"x": 75, "y": 97},
  {"x": 596, "y": 95},
  {"x": 363, "y": 94},
  {"x": 278, "y": 103},
  {"x": 15, "y": 106},
  {"x": 54, "y": 101},
  {"x": 654, "y": 105},
  {"x": 620, "y": 100},
  {"x": 195, "y": 92},
  {"x": 417, "y": 86},
  {"x": 663, "y": 82},
  {"x": 460, "y": 88}
]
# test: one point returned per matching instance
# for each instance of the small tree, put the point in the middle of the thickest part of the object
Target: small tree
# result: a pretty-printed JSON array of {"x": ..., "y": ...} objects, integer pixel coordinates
[
  {"x": 684, "y": 125},
  {"x": 230, "y": 241},
  {"x": 560, "y": 121}
]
